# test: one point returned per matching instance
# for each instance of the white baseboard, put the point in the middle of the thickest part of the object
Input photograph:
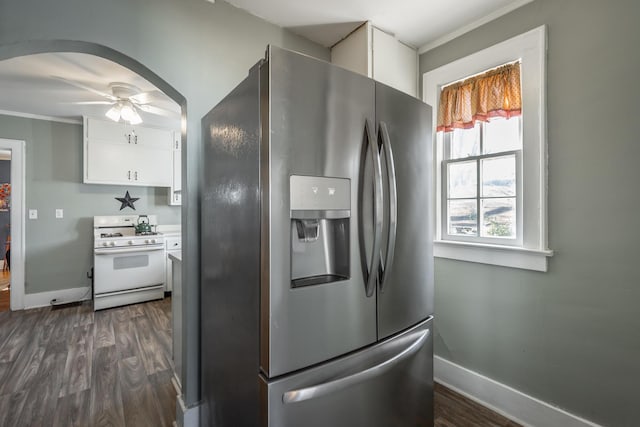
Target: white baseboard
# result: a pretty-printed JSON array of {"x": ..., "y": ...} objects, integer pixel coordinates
[
  {"x": 43, "y": 299},
  {"x": 507, "y": 401}
]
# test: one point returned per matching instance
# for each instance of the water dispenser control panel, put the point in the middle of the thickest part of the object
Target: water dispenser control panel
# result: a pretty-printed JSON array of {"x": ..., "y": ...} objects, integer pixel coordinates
[{"x": 319, "y": 194}]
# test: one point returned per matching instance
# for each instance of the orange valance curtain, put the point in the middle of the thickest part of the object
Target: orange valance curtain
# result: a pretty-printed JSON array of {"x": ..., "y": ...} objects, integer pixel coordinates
[{"x": 495, "y": 93}]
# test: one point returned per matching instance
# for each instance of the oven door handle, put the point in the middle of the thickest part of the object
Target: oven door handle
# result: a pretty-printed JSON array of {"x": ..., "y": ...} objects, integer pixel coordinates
[{"x": 100, "y": 251}]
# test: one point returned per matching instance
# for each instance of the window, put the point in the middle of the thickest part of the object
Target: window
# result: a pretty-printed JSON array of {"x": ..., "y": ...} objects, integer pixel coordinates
[
  {"x": 491, "y": 173},
  {"x": 480, "y": 182}
]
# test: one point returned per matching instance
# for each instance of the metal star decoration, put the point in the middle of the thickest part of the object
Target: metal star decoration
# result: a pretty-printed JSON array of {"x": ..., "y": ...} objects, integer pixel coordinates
[{"x": 127, "y": 201}]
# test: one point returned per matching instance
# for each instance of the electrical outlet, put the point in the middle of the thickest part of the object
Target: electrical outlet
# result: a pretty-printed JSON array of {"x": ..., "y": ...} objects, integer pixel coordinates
[
  {"x": 33, "y": 214},
  {"x": 59, "y": 213}
]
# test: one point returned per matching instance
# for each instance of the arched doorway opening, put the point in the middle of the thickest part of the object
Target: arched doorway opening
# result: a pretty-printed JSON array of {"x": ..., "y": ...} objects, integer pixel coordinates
[{"x": 70, "y": 46}]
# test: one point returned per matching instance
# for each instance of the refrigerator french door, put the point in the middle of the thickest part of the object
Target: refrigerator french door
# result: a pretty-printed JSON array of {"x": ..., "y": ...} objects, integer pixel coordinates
[
  {"x": 405, "y": 286},
  {"x": 316, "y": 292}
]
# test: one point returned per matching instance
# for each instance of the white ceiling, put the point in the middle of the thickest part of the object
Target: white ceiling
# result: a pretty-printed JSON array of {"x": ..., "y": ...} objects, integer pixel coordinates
[
  {"x": 31, "y": 85},
  {"x": 415, "y": 22}
]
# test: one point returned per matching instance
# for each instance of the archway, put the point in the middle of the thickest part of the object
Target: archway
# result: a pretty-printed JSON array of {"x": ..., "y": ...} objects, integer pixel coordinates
[{"x": 19, "y": 49}]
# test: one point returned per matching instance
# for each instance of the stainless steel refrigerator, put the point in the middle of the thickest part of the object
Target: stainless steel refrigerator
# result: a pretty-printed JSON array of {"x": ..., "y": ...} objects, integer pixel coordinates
[{"x": 317, "y": 262}]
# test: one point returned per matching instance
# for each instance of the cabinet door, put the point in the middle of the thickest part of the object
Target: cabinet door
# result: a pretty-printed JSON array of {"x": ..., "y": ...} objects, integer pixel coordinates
[
  {"x": 159, "y": 139},
  {"x": 152, "y": 167},
  {"x": 394, "y": 63},
  {"x": 175, "y": 196},
  {"x": 108, "y": 163},
  {"x": 103, "y": 130},
  {"x": 177, "y": 164}
]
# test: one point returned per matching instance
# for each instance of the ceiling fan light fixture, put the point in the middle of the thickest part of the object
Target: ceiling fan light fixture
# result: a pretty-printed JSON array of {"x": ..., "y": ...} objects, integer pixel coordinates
[
  {"x": 135, "y": 118},
  {"x": 129, "y": 113},
  {"x": 114, "y": 113},
  {"x": 126, "y": 111}
]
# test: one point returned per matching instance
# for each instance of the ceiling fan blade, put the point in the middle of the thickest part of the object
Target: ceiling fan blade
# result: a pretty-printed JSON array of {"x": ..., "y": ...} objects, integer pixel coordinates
[
  {"x": 85, "y": 87},
  {"x": 92, "y": 103},
  {"x": 157, "y": 110},
  {"x": 148, "y": 97}
]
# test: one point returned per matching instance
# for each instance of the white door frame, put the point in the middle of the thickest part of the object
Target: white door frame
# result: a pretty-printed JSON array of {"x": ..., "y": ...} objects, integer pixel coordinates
[{"x": 18, "y": 204}]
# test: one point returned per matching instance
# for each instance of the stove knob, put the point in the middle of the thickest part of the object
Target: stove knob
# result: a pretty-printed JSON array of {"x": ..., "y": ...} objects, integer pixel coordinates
[
  {"x": 105, "y": 244},
  {"x": 130, "y": 242},
  {"x": 153, "y": 240},
  {"x": 112, "y": 243},
  {"x": 147, "y": 241}
]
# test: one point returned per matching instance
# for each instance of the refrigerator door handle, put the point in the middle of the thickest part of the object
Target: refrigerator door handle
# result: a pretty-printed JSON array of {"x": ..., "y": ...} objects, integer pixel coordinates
[
  {"x": 378, "y": 214},
  {"x": 393, "y": 205},
  {"x": 329, "y": 387}
]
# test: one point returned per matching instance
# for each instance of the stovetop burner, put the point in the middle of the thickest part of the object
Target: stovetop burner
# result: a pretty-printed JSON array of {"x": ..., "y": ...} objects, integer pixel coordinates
[
  {"x": 111, "y": 235},
  {"x": 146, "y": 233}
]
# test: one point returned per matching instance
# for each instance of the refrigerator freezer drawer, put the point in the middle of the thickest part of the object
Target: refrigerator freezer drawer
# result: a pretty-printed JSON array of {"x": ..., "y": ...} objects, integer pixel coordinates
[{"x": 389, "y": 384}]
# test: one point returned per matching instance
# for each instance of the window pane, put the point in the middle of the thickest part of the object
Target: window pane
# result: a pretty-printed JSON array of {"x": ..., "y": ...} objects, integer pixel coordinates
[
  {"x": 462, "y": 179},
  {"x": 463, "y": 217},
  {"x": 502, "y": 134},
  {"x": 465, "y": 142},
  {"x": 499, "y": 176},
  {"x": 499, "y": 218}
]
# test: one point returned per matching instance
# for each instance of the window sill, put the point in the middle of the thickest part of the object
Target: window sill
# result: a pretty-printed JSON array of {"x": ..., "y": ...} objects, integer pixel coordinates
[{"x": 527, "y": 259}]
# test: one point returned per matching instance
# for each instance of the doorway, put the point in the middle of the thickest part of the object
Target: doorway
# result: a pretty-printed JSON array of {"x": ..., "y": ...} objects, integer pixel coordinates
[
  {"x": 11, "y": 224},
  {"x": 5, "y": 229}
]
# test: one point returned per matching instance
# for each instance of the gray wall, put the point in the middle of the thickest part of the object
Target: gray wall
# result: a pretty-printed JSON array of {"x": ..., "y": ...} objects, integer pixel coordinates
[
  {"x": 201, "y": 49},
  {"x": 570, "y": 336},
  {"x": 59, "y": 252}
]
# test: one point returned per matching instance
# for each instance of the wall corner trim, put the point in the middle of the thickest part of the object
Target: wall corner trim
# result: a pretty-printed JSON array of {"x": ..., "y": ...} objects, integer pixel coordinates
[
  {"x": 186, "y": 416},
  {"x": 43, "y": 299},
  {"x": 505, "y": 400}
]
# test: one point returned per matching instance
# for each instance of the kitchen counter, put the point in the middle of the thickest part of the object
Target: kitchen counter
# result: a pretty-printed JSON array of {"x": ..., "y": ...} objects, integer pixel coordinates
[{"x": 170, "y": 229}]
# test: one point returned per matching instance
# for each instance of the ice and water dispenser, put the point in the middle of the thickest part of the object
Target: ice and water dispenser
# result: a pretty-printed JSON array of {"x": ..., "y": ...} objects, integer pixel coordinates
[{"x": 320, "y": 214}]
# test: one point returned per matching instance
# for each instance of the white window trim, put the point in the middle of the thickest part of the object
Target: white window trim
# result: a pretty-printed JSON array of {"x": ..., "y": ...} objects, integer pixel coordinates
[{"x": 530, "y": 48}]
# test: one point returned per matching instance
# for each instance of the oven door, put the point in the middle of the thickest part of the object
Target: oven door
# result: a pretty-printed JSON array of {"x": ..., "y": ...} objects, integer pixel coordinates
[{"x": 120, "y": 269}]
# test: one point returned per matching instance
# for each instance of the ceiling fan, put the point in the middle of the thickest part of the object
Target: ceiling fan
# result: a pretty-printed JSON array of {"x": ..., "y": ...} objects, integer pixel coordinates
[{"x": 125, "y": 100}]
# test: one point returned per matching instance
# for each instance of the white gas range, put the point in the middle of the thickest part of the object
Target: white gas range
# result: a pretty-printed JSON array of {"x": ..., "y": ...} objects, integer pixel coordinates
[{"x": 129, "y": 266}]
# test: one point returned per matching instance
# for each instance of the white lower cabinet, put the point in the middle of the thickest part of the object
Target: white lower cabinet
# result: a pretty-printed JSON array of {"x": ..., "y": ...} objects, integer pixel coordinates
[{"x": 173, "y": 246}]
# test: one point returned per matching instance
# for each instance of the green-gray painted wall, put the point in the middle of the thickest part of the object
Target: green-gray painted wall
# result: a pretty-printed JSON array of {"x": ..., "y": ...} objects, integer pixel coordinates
[
  {"x": 201, "y": 49},
  {"x": 571, "y": 336},
  {"x": 59, "y": 252}
]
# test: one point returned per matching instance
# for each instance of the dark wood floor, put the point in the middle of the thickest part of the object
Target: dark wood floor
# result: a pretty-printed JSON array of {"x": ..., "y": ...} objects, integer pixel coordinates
[
  {"x": 454, "y": 410},
  {"x": 73, "y": 367}
]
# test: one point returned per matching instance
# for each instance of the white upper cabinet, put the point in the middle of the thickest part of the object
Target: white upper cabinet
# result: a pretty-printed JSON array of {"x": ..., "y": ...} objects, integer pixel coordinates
[
  {"x": 175, "y": 191},
  {"x": 354, "y": 52},
  {"x": 379, "y": 55},
  {"x": 121, "y": 154}
]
